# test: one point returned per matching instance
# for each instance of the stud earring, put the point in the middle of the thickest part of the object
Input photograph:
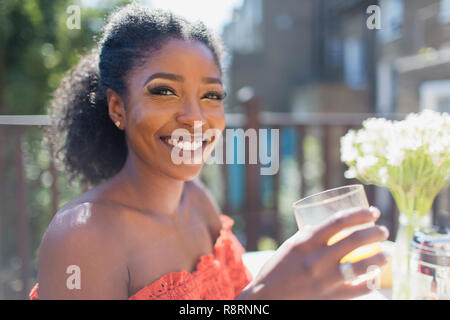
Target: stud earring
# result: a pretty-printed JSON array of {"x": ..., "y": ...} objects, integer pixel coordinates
[{"x": 117, "y": 123}]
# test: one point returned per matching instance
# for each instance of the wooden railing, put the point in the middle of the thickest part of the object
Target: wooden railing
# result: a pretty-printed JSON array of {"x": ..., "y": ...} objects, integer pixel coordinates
[
  {"x": 333, "y": 175},
  {"x": 329, "y": 126}
]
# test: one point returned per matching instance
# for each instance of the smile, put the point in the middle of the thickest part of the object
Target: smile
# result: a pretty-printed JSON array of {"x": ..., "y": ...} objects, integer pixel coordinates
[{"x": 187, "y": 143}]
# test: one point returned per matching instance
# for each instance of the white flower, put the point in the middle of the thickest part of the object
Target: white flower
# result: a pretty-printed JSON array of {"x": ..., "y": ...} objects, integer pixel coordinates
[
  {"x": 377, "y": 124},
  {"x": 350, "y": 173},
  {"x": 363, "y": 163},
  {"x": 377, "y": 128},
  {"x": 349, "y": 155},
  {"x": 395, "y": 155},
  {"x": 362, "y": 136},
  {"x": 436, "y": 147},
  {"x": 383, "y": 174},
  {"x": 349, "y": 152},
  {"x": 412, "y": 142},
  {"x": 368, "y": 148},
  {"x": 376, "y": 152}
]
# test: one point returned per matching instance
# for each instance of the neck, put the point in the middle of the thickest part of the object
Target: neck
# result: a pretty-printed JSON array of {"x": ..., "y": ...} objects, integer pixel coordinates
[{"x": 149, "y": 190}]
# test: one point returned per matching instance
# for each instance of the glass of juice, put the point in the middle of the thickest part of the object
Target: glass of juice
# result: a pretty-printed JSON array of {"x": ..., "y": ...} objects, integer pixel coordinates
[{"x": 313, "y": 210}]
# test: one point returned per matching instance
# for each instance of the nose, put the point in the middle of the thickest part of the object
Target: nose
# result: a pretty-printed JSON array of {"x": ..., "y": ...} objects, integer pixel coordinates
[{"x": 192, "y": 115}]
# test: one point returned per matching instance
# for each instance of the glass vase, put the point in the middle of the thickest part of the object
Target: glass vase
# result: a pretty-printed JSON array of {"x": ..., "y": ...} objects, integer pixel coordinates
[{"x": 401, "y": 269}]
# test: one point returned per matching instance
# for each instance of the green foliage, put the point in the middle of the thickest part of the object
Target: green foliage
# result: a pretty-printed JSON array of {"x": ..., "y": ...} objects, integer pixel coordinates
[{"x": 37, "y": 48}]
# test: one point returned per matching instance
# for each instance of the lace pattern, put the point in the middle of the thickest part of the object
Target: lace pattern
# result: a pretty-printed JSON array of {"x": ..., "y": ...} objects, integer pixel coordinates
[{"x": 220, "y": 275}]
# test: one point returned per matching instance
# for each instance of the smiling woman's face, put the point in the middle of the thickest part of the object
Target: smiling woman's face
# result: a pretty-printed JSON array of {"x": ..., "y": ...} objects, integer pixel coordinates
[{"x": 178, "y": 86}]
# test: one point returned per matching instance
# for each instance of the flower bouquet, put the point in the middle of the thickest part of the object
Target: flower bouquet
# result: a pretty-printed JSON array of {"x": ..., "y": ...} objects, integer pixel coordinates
[{"x": 412, "y": 159}]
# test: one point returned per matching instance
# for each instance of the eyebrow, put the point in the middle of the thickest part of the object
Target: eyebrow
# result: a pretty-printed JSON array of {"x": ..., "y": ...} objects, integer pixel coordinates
[{"x": 178, "y": 78}]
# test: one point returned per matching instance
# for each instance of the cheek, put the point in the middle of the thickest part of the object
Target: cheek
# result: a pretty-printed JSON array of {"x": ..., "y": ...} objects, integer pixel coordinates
[
  {"x": 142, "y": 124},
  {"x": 139, "y": 116},
  {"x": 221, "y": 124},
  {"x": 217, "y": 122},
  {"x": 217, "y": 119}
]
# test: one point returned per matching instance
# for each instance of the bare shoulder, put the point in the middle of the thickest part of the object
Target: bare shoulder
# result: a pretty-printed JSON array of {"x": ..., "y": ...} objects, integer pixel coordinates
[
  {"x": 79, "y": 220},
  {"x": 84, "y": 238},
  {"x": 202, "y": 198}
]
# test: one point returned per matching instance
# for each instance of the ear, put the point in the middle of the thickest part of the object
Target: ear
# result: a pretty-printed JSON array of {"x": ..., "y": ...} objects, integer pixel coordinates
[{"x": 116, "y": 108}]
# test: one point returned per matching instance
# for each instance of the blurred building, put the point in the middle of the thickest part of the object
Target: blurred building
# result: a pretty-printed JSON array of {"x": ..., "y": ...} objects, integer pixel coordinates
[
  {"x": 270, "y": 43},
  {"x": 303, "y": 55},
  {"x": 346, "y": 80},
  {"x": 320, "y": 56},
  {"x": 414, "y": 56}
]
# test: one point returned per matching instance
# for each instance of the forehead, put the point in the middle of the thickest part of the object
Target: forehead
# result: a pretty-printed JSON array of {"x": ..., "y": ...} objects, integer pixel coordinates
[{"x": 180, "y": 57}]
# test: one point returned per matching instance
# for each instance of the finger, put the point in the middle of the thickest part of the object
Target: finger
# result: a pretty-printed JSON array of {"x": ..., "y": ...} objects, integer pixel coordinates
[
  {"x": 365, "y": 265},
  {"x": 359, "y": 268},
  {"x": 355, "y": 240},
  {"x": 345, "y": 219},
  {"x": 348, "y": 291}
]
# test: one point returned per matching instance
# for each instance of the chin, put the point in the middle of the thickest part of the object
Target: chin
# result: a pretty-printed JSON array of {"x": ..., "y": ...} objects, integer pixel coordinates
[{"x": 185, "y": 172}]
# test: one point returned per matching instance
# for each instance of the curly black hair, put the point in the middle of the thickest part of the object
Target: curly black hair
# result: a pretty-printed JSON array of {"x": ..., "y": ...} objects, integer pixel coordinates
[{"x": 92, "y": 147}]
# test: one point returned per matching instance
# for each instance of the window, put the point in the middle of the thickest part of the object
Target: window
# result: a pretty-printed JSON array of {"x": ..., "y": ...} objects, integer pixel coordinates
[
  {"x": 435, "y": 95},
  {"x": 244, "y": 33},
  {"x": 283, "y": 22},
  {"x": 391, "y": 20},
  {"x": 444, "y": 11},
  {"x": 385, "y": 87},
  {"x": 354, "y": 72},
  {"x": 334, "y": 53},
  {"x": 443, "y": 104}
]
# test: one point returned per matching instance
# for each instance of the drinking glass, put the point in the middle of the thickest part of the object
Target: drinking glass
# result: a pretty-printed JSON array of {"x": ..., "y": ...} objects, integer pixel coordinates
[{"x": 313, "y": 210}]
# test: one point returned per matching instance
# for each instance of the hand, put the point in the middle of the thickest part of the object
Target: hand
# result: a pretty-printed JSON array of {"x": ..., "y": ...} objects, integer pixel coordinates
[{"x": 305, "y": 267}]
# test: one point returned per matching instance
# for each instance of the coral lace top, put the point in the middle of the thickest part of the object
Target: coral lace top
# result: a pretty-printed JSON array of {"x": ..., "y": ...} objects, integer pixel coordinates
[{"x": 220, "y": 275}]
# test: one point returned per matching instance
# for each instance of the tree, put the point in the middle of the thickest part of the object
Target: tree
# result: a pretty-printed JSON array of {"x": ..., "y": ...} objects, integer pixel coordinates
[{"x": 36, "y": 49}]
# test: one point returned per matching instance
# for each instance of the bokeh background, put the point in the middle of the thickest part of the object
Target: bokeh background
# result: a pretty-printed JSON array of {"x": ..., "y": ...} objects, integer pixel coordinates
[{"x": 310, "y": 68}]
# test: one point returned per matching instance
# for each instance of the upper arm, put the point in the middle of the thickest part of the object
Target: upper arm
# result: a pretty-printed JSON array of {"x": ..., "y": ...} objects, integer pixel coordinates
[{"x": 75, "y": 251}]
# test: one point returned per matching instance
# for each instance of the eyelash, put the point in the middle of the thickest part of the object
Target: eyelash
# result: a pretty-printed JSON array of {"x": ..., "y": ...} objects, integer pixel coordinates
[{"x": 159, "y": 90}]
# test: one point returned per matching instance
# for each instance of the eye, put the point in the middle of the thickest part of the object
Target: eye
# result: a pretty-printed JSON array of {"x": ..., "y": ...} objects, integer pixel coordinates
[
  {"x": 215, "y": 95},
  {"x": 161, "y": 91}
]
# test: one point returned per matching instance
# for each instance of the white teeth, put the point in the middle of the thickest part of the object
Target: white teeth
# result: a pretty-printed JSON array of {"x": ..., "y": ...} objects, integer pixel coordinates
[
  {"x": 185, "y": 145},
  {"x": 197, "y": 144}
]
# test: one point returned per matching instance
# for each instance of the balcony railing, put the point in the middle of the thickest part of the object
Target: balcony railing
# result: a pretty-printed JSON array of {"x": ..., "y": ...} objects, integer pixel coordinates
[{"x": 260, "y": 218}]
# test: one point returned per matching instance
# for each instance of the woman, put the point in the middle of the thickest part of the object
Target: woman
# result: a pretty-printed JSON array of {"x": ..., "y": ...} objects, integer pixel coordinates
[{"x": 147, "y": 230}]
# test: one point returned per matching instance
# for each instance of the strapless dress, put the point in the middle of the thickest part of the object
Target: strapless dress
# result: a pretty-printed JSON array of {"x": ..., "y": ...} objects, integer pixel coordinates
[{"x": 220, "y": 275}]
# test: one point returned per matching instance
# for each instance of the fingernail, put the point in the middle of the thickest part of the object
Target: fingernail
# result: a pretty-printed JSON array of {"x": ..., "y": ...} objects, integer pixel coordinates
[
  {"x": 385, "y": 231},
  {"x": 375, "y": 212}
]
